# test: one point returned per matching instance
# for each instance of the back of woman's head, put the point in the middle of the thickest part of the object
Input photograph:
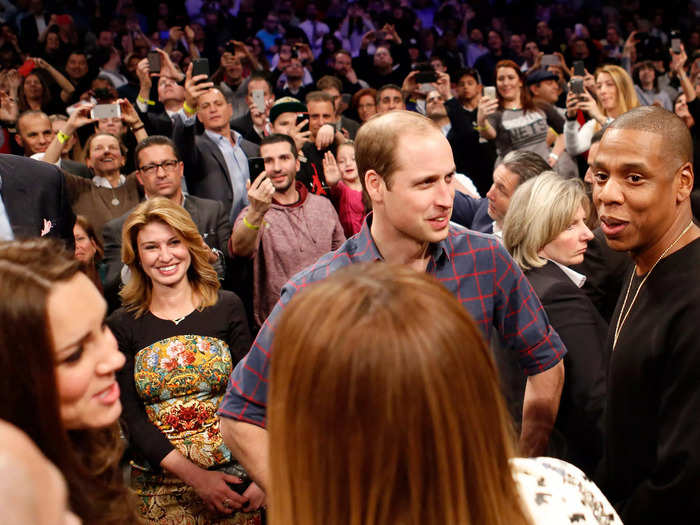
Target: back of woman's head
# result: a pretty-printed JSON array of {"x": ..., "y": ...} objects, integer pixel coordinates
[
  {"x": 626, "y": 95},
  {"x": 385, "y": 407},
  {"x": 136, "y": 294},
  {"x": 539, "y": 210}
]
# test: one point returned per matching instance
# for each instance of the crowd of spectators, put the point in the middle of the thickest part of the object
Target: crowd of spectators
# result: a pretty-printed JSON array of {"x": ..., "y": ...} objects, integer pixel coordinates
[{"x": 196, "y": 156}]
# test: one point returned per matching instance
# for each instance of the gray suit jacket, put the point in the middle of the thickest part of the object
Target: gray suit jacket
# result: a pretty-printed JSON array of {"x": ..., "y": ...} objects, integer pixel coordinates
[
  {"x": 211, "y": 219},
  {"x": 205, "y": 168}
]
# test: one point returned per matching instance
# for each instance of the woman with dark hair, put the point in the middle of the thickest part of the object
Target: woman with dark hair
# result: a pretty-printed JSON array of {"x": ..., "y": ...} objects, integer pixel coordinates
[
  {"x": 545, "y": 232},
  {"x": 88, "y": 250},
  {"x": 512, "y": 119},
  {"x": 646, "y": 84},
  {"x": 35, "y": 91},
  {"x": 182, "y": 336},
  {"x": 387, "y": 409},
  {"x": 62, "y": 390}
]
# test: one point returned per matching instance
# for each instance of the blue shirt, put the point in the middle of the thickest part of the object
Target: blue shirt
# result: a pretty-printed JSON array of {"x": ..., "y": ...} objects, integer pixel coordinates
[
  {"x": 237, "y": 167},
  {"x": 473, "y": 266}
]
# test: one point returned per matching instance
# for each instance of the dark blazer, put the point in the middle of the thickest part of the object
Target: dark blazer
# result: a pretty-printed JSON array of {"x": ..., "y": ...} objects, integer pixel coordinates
[
  {"x": 472, "y": 213},
  {"x": 205, "y": 168},
  {"x": 244, "y": 126},
  {"x": 212, "y": 222},
  {"x": 349, "y": 125},
  {"x": 76, "y": 168},
  {"x": 156, "y": 121},
  {"x": 584, "y": 333},
  {"x": 34, "y": 192}
]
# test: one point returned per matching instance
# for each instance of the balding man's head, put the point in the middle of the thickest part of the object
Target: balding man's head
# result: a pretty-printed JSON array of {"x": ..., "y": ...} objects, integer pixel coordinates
[
  {"x": 677, "y": 141},
  {"x": 377, "y": 140},
  {"x": 34, "y": 132}
]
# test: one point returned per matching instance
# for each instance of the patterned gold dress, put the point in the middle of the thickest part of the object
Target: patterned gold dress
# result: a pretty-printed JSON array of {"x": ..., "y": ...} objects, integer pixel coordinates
[{"x": 172, "y": 384}]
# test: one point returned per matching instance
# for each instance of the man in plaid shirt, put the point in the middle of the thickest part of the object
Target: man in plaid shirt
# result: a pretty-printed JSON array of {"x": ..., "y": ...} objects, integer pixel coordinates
[{"x": 407, "y": 170}]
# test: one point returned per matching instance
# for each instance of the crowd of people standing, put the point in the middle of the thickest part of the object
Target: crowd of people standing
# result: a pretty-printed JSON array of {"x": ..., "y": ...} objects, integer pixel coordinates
[{"x": 193, "y": 200}]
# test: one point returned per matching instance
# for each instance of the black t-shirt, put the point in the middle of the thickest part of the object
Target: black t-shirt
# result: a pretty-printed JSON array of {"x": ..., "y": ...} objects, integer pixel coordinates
[
  {"x": 652, "y": 422},
  {"x": 225, "y": 321}
]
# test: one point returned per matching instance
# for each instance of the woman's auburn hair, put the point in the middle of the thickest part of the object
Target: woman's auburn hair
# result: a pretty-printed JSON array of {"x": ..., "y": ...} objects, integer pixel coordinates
[
  {"x": 137, "y": 293},
  {"x": 89, "y": 458},
  {"x": 386, "y": 408},
  {"x": 539, "y": 210},
  {"x": 525, "y": 98}
]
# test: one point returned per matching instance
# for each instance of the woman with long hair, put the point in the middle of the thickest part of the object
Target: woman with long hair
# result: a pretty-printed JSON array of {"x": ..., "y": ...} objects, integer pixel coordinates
[
  {"x": 616, "y": 95},
  {"x": 387, "y": 409},
  {"x": 545, "y": 232},
  {"x": 181, "y": 336},
  {"x": 59, "y": 361},
  {"x": 88, "y": 250},
  {"x": 512, "y": 119}
]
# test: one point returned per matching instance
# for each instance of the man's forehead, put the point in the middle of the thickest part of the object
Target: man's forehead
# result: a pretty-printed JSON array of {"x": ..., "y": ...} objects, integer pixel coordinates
[
  {"x": 34, "y": 123},
  {"x": 212, "y": 95},
  {"x": 627, "y": 145},
  {"x": 390, "y": 93},
  {"x": 275, "y": 149},
  {"x": 318, "y": 106}
]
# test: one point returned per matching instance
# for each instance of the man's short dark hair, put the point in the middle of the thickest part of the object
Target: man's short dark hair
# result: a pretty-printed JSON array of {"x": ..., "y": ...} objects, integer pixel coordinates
[
  {"x": 319, "y": 96},
  {"x": 154, "y": 140},
  {"x": 329, "y": 81},
  {"x": 259, "y": 75},
  {"x": 387, "y": 87},
  {"x": 525, "y": 164},
  {"x": 468, "y": 72},
  {"x": 278, "y": 138},
  {"x": 653, "y": 119}
]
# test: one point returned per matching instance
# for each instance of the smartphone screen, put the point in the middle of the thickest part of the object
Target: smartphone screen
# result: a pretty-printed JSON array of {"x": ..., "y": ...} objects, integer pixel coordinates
[
  {"x": 106, "y": 111},
  {"x": 256, "y": 165}
]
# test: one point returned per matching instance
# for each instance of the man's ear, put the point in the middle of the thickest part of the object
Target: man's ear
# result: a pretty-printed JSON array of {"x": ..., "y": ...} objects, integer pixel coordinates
[
  {"x": 18, "y": 140},
  {"x": 685, "y": 181},
  {"x": 374, "y": 183},
  {"x": 138, "y": 177}
]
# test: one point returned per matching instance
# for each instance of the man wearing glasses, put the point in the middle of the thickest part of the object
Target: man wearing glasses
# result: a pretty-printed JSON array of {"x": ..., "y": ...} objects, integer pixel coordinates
[{"x": 160, "y": 171}]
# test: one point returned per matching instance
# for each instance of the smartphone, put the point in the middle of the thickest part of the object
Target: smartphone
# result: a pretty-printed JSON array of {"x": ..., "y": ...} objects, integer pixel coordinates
[
  {"x": 230, "y": 48},
  {"x": 576, "y": 86},
  {"x": 200, "y": 66},
  {"x": 579, "y": 70},
  {"x": 259, "y": 99},
  {"x": 490, "y": 91},
  {"x": 676, "y": 42},
  {"x": 256, "y": 165},
  {"x": 550, "y": 60},
  {"x": 154, "y": 61},
  {"x": 300, "y": 118},
  {"x": 106, "y": 111},
  {"x": 426, "y": 77},
  {"x": 26, "y": 68}
]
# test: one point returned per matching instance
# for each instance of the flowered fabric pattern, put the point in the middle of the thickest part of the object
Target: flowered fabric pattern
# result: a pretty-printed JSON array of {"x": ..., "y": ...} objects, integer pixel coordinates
[
  {"x": 181, "y": 381},
  {"x": 557, "y": 493}
]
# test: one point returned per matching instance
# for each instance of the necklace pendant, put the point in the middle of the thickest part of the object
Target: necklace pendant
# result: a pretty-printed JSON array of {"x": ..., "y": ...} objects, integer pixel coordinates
[{"x": 115, "y": 202}]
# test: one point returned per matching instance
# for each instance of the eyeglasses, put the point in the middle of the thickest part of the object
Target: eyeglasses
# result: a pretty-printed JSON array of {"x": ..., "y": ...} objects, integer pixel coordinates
[{"x": 168, "y": 167}]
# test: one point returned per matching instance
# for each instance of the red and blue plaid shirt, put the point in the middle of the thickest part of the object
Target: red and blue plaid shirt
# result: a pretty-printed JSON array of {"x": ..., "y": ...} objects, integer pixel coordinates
[{"x": 475, "y": 267}]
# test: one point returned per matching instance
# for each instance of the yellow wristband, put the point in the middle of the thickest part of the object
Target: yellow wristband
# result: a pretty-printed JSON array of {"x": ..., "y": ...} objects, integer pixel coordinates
[
  {"x": 62, "y": 137},
  {"x": 249, "y": 225},
  {"x": 145, "y": 101},
  {"x": 188, "y": 109}
]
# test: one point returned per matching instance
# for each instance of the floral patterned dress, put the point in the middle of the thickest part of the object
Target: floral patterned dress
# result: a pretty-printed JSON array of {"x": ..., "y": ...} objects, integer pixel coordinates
[{"x": 172, "y": 384}]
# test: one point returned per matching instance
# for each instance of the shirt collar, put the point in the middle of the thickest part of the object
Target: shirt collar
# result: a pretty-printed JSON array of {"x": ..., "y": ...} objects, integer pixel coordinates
[
  {"x": 102, "y": 182},
  {"x": 217, "y": 137},
  {"x": 367, "y": 251},
  {"x": 577, "y": 278}
]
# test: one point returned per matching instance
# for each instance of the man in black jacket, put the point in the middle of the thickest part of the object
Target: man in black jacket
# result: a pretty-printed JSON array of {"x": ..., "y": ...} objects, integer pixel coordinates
[
  {"x": 34, "y": 198},
  {"x": 216, "y": 162}
]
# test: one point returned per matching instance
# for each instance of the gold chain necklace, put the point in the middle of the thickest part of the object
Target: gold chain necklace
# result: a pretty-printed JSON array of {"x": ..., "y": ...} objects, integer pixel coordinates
[{"x": 621, "y": 320}]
